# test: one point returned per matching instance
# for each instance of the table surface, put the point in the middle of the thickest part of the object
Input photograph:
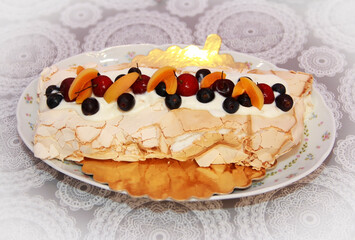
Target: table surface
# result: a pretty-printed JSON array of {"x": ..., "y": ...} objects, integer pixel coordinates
[{"x": 317, "y": 37}]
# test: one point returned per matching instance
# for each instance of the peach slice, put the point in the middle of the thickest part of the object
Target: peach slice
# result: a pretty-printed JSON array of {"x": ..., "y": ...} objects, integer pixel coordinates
[
  {"x": 79, "y": 69},
  {"x": 209, "y": 79},
  {"x": 253, "y": 91},
  {"x": 120, "y": 86},
  {"x": 165, "y": 74},
  {"x": 84, "y": 93},
  {"x": 238, "y": 89},
  {"x": 80, "y": 81}
]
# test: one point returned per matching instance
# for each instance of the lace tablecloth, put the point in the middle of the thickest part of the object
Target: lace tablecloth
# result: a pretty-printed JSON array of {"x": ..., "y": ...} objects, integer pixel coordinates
[{"x": 37, "y": 202}]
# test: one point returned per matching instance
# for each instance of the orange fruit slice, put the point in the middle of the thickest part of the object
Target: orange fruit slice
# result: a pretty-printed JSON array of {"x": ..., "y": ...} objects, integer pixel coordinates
[
  {"x": 79, "y": 82},
  {"x": 79, "y": 69},
  {"x": 209, "y": 79},
  {"x": 120, "y": 86},
  {"x": 253, "y": 91},
  {"x": 163, "y": 74},
  {"x": 84, "y": 93},
  {"x": 238, "y": 89}
]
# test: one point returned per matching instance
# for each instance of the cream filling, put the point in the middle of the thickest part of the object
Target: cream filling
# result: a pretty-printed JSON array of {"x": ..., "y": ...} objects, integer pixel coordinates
[{"x": 151, "y": 100}]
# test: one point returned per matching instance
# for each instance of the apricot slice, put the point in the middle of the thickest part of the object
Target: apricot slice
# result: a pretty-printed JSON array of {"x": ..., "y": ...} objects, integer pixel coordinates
[
  {"x": 120, "y": 86},
  {"x": 166, "y": 74},
  {"x": 79, "y": 69},
  {"x": 79, "y": 82},
  {"x": 209, "y": 79},
  {"x": 238, "y": 89},
  {"x": 253, "y": 91},
  {"x": 84, "y": 93}
]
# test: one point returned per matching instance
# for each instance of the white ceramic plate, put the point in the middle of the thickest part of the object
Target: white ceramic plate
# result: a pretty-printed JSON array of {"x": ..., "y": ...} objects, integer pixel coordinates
[{"x": 319, "y": 134}]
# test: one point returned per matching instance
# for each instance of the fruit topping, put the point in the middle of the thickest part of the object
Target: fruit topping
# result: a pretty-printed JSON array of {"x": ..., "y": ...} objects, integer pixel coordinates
[
  {"x": 224, "y": 87},
  {"x": 90, "y": 106},
  {"x": 205, "y": 95},
  {"x": 54, "y": 100},
  {"x": 238, "y": 89},
  {"x": 135, "y": 69},
  {"x": 50, "y": 89},
  {"x": 100, "y": 84},
  {"x": 267, "y": 92},
  {"x": 126, "y": 101},
  {"x": 161, "y": 89},
  {"x": 140, "y": 85},
  {"x": 209, "y": 79},
  {"x": 85, "y": 93},
  {"x": 253, "y": 91},
  {"x": 201, "y": 73},
  {"x": 230, "y": 105},
  {"x": 79, "y": 69},
  {"x": 244, "y": 100},
  {"x": 120, "y": 86},
  {"x": 187, "y": 85},
  {"x": 278, "y": 87},
  {"x": 173, "y": 101},
  {"x": 119, "y": 76},
  {"x": 79, "y": 82},
  {"x": 284, "y": 102},
  {"x": 64, "y": 88},
  {"x": 166, "y": 74}
]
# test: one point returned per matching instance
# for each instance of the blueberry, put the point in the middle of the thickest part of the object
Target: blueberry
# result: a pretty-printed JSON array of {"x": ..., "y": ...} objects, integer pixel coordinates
[
  {"x": 224, "y": 87},
  {"x": 90, "y": 106},
  {"x": 244, "y": 100},
  {"x": 173, "y": 101},
  {"x": 53, "y": 100},
  {"x": 284, "y": 102},
  {"x": 161, "y": 89},
  {"x": 201, "y": 73},
  {"x": 126, "y": 101},
  {"x": 278, "y": 87},
  {"x": 205, "y": 95},
  {"x": 119, "y": 76},
  {"x": 51, "y": 89},
  {"x": 135, "y": 69},
  {"x": 230, "y": 105}
]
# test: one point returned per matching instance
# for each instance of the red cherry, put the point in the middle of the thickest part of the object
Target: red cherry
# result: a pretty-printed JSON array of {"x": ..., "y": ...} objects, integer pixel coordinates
[
  {"x": 268, "y": 93},
  {"x": 140, "y": 85},
  {"x": 64, "y": 88},
  {"x": 100, "y": 84},
  {"x": 187, "y": 85}
]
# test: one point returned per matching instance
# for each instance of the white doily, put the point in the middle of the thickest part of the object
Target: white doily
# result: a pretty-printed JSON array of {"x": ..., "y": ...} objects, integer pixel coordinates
[
  {"x": 137, "y": 27},
  {"x": 27, "y": 48},
  {"x": 79, "y": 195},
  {"x": 331, "y": 102},
  {"x": 320, "y": 206},
  {"x": 28, "y": 9},
  {"x": 19, "y": 169},
  {"x": 267, "y": 30},
  {"x": 80, "y": 15},
  {"x": 124, "y": 5},
  {"x": 322, "y": 61},
  {"x": 123, "y": 217},
  {"x": 186, "y": 8},
  {"x": 347, "y": 92},
  {"x": 345, "y": 153},
  {"x": 25, "y": 217},
  {"x": 333, "y": 22}
]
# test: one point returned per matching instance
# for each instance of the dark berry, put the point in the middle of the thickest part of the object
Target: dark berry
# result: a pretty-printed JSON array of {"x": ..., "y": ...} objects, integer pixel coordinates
[
  {"x": 230, "y": 105},
  {"x": 205, "y": 95},
  {"x": 51, "y": 89},
  {"x": 278, "y": 87},
  {"x": 126, "y": 102},
  {"x": 100, "y": 84},
  {"x": 54, "y": 100},
  {"x": 119, "y": 76},
  {"x": 224, "y": 87},
  {"x": 201, "y": 73},
  {"x": 140, "y": 85},
  {"x": 90, "y": 106},
  {"x": 135, "y": 69},
  {"x": 187, "y": 85},
  {"x": 244, "y": 100},
  {"x": 161, "y": 89},
  {"x": 173, "y": 101},
  {"x": 268, "y": 93},
  {"x": 64, "y": 88},
  {"x": 284, "y": 102}
]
